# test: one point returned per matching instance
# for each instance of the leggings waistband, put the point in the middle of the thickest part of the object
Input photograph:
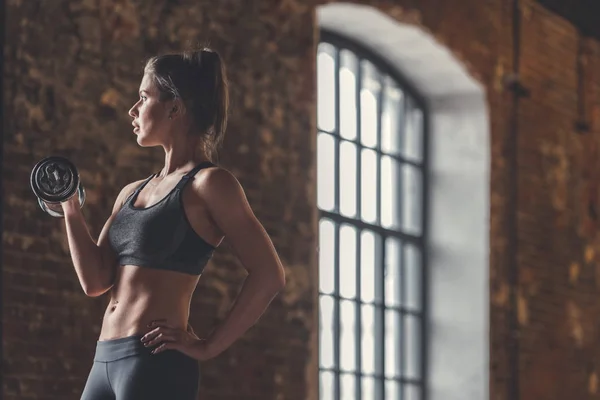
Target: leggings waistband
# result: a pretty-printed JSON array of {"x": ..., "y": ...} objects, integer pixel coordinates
[{"x": 115, "y": 349}]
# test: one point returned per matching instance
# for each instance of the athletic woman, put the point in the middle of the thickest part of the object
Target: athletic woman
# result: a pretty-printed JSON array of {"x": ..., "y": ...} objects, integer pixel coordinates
[{"x": 162, "y": 231}]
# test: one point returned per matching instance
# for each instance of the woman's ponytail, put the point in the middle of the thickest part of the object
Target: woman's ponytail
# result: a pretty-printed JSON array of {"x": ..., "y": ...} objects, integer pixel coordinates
[{"x": 199, "y": 79}]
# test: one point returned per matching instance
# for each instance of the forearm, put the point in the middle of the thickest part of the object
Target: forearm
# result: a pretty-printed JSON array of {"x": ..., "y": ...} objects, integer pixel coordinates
[
  {"x": 87, "y": 259},
  {"x": 255, "y": 296}
]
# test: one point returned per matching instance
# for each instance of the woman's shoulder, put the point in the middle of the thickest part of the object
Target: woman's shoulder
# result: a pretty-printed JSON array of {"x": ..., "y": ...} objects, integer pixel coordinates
[
  {"x": 216, "y": 178},
  {"x": 217, "y": 185}
]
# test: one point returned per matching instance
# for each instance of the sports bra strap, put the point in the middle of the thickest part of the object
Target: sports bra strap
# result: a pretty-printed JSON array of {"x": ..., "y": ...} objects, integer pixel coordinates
[
  {"x": 140, "y": 187},
  {"x": 135, "y": 193},
  {"x": 186, "y": 177}
]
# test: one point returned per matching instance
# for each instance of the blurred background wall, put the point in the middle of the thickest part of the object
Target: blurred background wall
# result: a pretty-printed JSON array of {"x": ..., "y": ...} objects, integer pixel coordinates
[{"x": 510, "y": 92}]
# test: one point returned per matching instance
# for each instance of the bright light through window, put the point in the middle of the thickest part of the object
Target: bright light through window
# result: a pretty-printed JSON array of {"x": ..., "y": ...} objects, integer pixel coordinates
[{"x": 370, "y": 172}]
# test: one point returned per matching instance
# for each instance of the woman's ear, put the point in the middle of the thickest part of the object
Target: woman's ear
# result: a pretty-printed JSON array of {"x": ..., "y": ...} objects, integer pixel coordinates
[{"x": 175, "y": 109}]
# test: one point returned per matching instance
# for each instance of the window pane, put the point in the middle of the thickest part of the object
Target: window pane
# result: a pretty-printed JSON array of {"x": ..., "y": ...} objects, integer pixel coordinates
[
  {"x": 392, "y": 344},
  {"x": 348, "y": 114},
  {"x": 347, "y": 261},
  {"x": 412, "y": 392},
  {"x": 326, "y": 332},
  {"x": 392, "y": 390},
  {"x": 390, "y": 199},
  {"x": 368, "y": 196},
  {"x": 326, "y": 171},
  {"x": 368, "y": 339},
  {"x": 326, "y": 87},
  {"x": 412, "y": 349},
  {"x": 348, "y": 335},
  {"x": 326, "y": 386},
  {"x": 413, "y": 136},
  {"x": 348, "y": 178},
  {"x": 368, "y": 388},
  {"x": 392, "y": 272},
  {"x": 367, "y": 266},
  {"x": 369, "y": 113},
  {"x": 413, "y": 277},
  {"x": 371, "y": 269},
  {"x": 348, "y": 387},
  {"x": 411, "y": 199},
  {"x": 326, "y": 256},
  {"x": 392, "y": 118}
]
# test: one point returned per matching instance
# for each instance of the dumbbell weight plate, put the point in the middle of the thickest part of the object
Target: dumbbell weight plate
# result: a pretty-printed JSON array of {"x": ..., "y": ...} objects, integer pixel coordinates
[{"x": 54, "y": 180}]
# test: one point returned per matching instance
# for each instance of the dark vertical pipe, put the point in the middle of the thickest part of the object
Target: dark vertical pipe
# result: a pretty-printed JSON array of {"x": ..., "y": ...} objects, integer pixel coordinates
[
  {"x": 582, "y": 124},
  {"x": 513, "y": 207},
  {"x": 2, "y": 124}
]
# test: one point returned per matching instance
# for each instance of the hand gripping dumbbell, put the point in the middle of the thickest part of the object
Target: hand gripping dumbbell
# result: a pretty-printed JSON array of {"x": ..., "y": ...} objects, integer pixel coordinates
[{"x": 55, "y": 180}]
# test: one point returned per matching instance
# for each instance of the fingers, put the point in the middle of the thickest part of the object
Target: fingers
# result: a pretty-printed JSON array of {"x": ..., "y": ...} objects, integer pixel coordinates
[
  {"x": 160, "y": 328},
  {"x": 163, "y": 336},
  {"x": 163, "y": 347},
  {"x": 157, "y": 336},
  {"x": 166, "y": 337}
]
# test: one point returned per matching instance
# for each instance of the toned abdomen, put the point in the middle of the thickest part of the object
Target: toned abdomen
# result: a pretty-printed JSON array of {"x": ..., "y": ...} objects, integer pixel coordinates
[{"x": 141, "y": 295}]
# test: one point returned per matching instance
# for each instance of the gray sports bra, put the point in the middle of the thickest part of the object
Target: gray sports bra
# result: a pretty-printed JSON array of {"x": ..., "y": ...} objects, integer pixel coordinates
[{"x": 160, "y": 236}]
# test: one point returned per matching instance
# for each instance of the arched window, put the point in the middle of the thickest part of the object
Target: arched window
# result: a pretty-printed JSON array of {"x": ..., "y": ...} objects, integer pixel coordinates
[{"x": 371, "y": 166}]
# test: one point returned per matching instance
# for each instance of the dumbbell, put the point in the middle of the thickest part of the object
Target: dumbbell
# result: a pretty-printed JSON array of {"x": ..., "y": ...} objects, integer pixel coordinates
[{"x": 55, "y": 180}]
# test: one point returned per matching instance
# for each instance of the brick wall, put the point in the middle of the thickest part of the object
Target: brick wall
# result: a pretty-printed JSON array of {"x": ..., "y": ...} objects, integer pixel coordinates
[{"x": 72, "y": 70}]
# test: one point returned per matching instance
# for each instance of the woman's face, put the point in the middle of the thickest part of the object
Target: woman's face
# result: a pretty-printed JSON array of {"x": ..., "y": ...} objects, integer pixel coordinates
[{"x": 150, "y": 115}]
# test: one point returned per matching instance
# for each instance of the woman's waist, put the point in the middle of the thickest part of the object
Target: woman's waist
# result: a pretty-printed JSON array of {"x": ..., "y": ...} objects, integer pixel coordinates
[{"x": 133, "y": 318}]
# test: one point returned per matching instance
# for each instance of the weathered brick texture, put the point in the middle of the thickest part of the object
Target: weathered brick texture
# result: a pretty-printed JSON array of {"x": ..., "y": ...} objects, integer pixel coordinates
[{"x": 72, "y": 71}]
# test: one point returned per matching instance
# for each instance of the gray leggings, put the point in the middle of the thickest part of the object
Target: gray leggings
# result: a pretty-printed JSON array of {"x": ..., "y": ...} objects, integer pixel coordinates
[{"x": 124, "y": 369}]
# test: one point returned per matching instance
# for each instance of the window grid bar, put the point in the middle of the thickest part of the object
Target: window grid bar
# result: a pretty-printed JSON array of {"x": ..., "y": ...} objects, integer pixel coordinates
[
  {"x": 401, "y": 334},
  {"x": 358, "y": 374},
  {"x": 358, "y": 307},
  {"x": 402, "y": 128},
  {"x": 424, "y": 254},
  {"x": 398, "y": 158},
  {"x": 359, "y": 146},
  {"x": 380, "y": 96},
  {"x": 399, "y": 189},
  {"x": 358, "y": 319},
  {"x": 382, "y": 249},
  {"x": 376, "y": 325},
  {"x": 400, "y": 309},
  {"x": 378, "y": 167},
  {"x": 336, "y": 307},
  {"x": 405, "y": 237},
  {"x": 336, "y": 179}
]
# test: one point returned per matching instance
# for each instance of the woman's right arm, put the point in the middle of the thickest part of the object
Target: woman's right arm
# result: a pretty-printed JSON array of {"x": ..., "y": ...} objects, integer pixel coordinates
[{"x": 94, "y": 261}]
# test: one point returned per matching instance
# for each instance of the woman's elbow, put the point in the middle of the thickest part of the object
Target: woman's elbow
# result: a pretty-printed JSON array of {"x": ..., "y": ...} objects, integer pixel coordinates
[
  {"x": 271, "y": 282},
  {"x": 279, "y": 279},
  {"x": 98, "y": 286},
  {"x": 95, "y": 291}
]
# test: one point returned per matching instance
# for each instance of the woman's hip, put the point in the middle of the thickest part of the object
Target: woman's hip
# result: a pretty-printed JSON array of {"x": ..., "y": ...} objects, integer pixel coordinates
[{"x": 132, "y": 372}]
